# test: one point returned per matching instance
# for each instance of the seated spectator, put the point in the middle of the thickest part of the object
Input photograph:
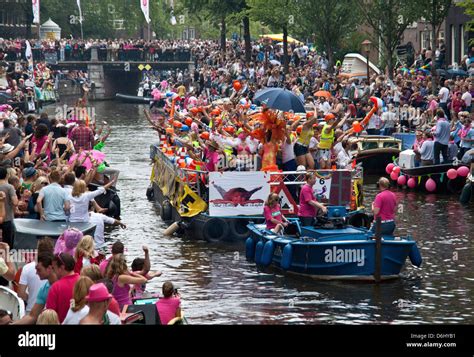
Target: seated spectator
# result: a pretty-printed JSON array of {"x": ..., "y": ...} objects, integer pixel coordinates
[
  {"x": 169, "y": 306},
  {"x": 48, "y": 317}
]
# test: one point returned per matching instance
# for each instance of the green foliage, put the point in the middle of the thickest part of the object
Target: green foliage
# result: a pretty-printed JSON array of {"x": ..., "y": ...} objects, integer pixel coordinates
[
  {"x": 105, "y": 18},
  {"x": 330, "y": 23},
  {"x": 388, "y": 19}
]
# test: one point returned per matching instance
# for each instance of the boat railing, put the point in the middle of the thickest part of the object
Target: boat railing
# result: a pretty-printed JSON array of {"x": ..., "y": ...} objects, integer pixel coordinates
[{"x": 198, "y": 180}]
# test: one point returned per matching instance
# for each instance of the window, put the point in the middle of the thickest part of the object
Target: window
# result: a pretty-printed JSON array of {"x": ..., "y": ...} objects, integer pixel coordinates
[
  {"x": 2, "y": 17},
  {"x": 461, "y": 42},
  {"x": 441, "y": 35},
  {"x": 453, "y": 43},
  {"x": 425, "y": 40}
]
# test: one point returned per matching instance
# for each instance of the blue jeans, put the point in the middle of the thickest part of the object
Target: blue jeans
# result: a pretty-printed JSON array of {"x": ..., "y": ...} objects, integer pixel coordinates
[{"x": 386, "y": 229}]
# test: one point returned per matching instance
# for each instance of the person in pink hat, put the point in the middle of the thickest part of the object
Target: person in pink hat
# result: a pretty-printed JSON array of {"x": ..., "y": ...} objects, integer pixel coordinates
[
  {"x": 68, "y": 241},
  {"x": 98, "y": 301}
]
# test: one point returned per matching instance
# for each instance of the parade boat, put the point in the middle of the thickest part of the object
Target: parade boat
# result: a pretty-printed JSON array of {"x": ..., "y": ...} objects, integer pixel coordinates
[
  {"x": 133, "y": 99},
  {"x": 331, "y": 250},
  {"x": 218, "y": 206},
  {"x": 442, "y": 178},
  {"x": 28, "y": 231},
  {"x": 376, "y": 152},
  {"x": 110, "y": 199}
]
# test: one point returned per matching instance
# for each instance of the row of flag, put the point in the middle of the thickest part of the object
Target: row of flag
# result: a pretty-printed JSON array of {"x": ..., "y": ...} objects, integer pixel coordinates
[{"x": 144, "y": 4}]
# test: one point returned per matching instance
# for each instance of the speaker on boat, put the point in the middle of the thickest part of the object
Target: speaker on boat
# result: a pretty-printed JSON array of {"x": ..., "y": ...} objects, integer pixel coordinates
[
  {"x": 267, "y": 254},
  {"x": 258, "y": 252},
  {"x": 287, "y": 257}
]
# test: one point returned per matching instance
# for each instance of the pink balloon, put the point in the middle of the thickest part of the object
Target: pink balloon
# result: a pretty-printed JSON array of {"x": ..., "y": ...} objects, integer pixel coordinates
[
  {"x": 402, "y": 180},
  {"x": 452, "y": 174},
  {"x": 389, "y": 168},
  {"x": 463, "y": 171},
  {"x": 394, "y": 176},
  {"x": 430, "y": 185},
  {"x": 396, "y": 169},
  {"x": 411, "y": 182}
]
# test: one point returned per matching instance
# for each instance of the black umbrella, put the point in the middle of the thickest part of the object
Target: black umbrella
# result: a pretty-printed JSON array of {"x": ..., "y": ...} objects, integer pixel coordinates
[{"x": 281, "y": 99}]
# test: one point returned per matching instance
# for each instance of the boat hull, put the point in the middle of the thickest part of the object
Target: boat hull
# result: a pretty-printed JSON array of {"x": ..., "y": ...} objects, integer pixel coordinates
[
  {"x": 439, "y": 174},
  {"x": 339, "y": 256},
  {"x": 374, "y": 162}
]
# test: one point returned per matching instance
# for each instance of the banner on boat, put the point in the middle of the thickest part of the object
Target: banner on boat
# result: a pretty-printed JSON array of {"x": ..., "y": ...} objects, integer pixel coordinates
[
  {"x": 322, "y": 188},
  {"x": 238, "y": 193}
]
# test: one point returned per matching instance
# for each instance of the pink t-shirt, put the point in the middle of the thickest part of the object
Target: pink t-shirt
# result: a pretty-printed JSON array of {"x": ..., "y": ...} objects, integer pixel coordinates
[
  {"x": 103, "y": 265},
  {"x": 306, "y": 195},
  {"x": 386, "y": 201},
  {"x": 272, "y": 212},
  {"x": 212, "y": 158},
  {"x": 167, "y": 308},
  {"x": 60, "y": 295}
]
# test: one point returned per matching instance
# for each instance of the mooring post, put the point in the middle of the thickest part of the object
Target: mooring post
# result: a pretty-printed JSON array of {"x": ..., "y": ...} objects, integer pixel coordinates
[{"x": 378, "y": 249}]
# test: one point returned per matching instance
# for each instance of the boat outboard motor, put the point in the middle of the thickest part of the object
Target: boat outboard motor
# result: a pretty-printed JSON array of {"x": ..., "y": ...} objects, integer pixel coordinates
[{"x": 337, "y": 216}]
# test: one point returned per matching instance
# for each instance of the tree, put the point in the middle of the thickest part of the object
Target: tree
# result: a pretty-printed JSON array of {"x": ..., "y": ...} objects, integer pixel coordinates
[
  {"x": 388, "y": 19},
  {"x": 278, "y": 14},
  {"x": 217, "y": 12},
  {"x": 330, "y": 22}
]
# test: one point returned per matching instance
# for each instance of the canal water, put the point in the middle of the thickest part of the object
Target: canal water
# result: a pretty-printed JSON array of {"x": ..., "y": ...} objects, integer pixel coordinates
[{"x": 218, "y": 286}]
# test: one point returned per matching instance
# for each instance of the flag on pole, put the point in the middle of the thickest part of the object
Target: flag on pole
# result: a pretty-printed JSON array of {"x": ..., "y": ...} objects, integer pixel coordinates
[
  {"x": 173, "y": 18},
  {"x": 145, "y": 4},
  {"x": 36, "y": 11},
  {"x": 29, "y": 57},
  {"x": 80, "y": 10}
]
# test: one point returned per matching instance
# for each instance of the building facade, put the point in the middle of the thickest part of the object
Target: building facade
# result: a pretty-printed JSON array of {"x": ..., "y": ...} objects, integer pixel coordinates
[{"x": 457, "y": 35}]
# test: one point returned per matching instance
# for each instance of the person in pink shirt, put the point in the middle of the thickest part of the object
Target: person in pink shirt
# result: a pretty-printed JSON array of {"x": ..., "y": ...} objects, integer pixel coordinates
[
  {"x": 169, "y": 306},
  {"x": 117, "y": 248},
  {"x": 384, "y": 207},
  {"x": 308, "y": 204},
  {"x": 211, "y": 156},
  {"x": 61, "y": 292},
  {"x": 276, "y": 222}
]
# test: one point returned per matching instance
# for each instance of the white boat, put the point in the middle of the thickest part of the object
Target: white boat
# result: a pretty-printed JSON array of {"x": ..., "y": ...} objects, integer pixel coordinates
[{"x": 10, "y": 301}]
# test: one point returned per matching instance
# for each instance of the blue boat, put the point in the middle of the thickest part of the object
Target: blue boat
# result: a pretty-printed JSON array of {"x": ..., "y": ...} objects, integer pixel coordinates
[{"x": 331, "y": 250}]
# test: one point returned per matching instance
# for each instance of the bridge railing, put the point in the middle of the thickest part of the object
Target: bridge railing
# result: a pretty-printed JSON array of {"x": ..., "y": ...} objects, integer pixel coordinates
[{"x": 107, "y": 54}]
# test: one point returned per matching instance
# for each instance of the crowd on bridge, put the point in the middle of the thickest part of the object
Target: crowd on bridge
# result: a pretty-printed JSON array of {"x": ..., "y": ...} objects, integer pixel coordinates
[{"x": 107, "y": 50}]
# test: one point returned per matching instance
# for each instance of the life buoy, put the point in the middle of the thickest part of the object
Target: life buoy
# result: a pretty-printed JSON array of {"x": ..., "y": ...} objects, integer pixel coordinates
[
  {"x": 415, "y": 256},
  {"x": 287, "y": 257},
  {"x": 238, "y": 229},
  {"x": 166, "y": 212},
  {"x": 150, "y": 193},
  {"x": 215, "y": 229},
  {"x": 466, "y": 194},
  {"x": 250, "y": 249},
  {"x": 258, "y": 252},
  {"x": 267, "y": 254}
]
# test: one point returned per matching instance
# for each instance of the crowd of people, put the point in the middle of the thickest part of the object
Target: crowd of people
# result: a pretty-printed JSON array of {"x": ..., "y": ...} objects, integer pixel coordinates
[
  {"x": 208, "y": 114},
  {"x": 46, "y": 168}
]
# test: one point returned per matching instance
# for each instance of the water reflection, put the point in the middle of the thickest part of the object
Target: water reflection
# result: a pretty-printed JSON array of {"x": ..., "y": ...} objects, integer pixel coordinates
[{"x": 219, "y": 286}]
